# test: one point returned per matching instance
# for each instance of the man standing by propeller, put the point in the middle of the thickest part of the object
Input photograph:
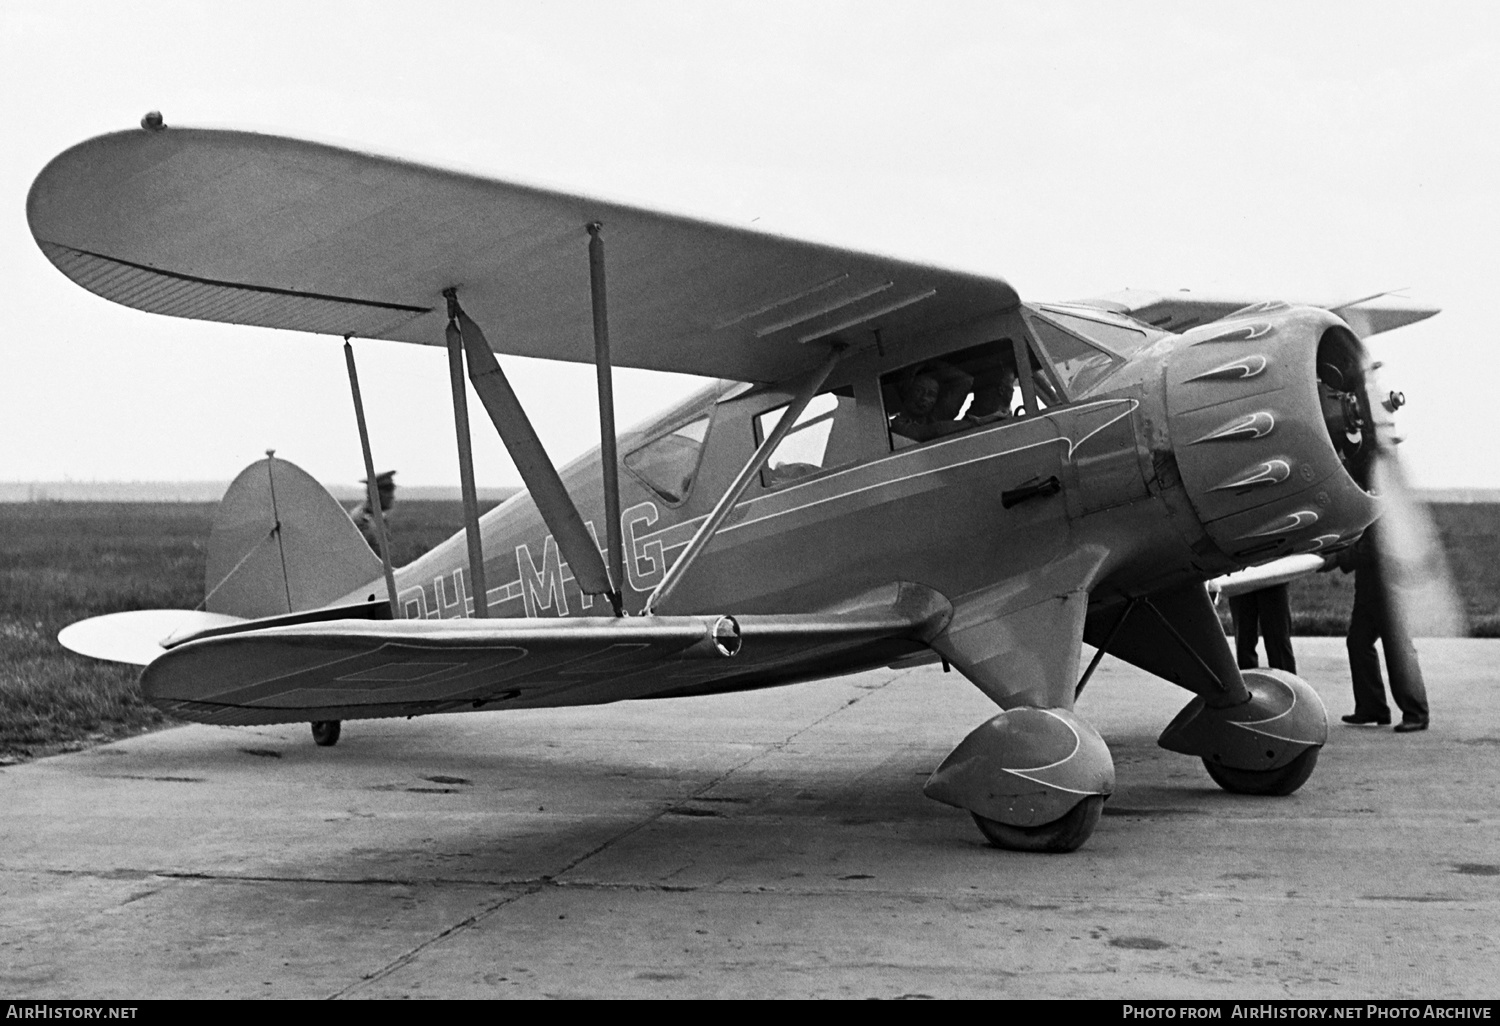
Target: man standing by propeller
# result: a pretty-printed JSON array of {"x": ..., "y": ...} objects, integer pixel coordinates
[{"x": 1377, "y": 615}]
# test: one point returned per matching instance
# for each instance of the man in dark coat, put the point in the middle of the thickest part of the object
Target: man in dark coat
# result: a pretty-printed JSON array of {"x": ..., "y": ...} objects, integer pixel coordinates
[
  {"x": 1375, "y": 616},
  {"x": 1267, "y": 613}
]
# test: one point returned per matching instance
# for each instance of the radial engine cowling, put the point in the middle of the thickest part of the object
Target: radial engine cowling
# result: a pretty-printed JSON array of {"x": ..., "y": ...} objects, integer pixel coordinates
[{"x": 1272, "y": 430}]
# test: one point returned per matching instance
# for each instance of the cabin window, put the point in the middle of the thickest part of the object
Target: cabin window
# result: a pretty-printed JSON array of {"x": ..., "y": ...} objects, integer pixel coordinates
[
  {"x": 1079, "y": 366},
  {"x": 668, "y": 465},
  {"x": 958, "y": 392},
  {"x": 824, "y": 436}
]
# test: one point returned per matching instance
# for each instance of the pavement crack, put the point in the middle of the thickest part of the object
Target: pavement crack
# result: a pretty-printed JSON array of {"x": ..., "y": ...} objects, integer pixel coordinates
[
  {"x": 522, "y": 886},
  {"x": 138, "y": 897},
  {"x": 409, "y": 956}
]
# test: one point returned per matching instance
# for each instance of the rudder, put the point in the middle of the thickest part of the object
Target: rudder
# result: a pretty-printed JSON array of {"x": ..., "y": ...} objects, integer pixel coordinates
[{"x": 281, "y": 544}]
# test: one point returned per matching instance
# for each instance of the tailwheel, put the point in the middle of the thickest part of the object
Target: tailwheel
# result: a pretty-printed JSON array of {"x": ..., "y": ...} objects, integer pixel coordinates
[
  {"x": 1265, "y": 782},
  {"x": 326, "y": 733},
  {"x": 1064, "y": 834}
]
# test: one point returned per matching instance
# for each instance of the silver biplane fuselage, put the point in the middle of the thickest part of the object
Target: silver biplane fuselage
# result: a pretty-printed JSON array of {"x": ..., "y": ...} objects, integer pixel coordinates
[{"x": 1188, "y": 455}]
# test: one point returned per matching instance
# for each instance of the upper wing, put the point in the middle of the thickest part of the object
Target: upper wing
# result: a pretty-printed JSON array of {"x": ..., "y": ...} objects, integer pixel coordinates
[
  {"x": 284, "y": 233},
  {"x": 1179, "y": 311},
  {"x": 352, "y": 669}
]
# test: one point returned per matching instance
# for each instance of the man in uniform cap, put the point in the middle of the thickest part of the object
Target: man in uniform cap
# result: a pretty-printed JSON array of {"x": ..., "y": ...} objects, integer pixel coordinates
[{"x": 364, "y": 516}]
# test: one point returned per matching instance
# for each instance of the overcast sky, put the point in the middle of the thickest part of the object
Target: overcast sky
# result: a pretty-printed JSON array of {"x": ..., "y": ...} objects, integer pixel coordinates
[{"x": 1294, "y": 150}]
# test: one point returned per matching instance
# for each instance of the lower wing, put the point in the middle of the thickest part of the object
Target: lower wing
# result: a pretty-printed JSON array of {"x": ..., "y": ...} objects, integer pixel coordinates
[{"x": 356, "y": 669}]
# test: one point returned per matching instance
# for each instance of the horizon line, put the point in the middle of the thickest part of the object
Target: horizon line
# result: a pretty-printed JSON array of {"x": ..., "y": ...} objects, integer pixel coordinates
[{"x": 73, "y": 490}]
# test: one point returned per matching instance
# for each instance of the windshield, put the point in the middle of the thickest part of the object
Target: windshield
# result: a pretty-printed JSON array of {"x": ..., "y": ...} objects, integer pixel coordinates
[{"x": 1079, "y": 365}]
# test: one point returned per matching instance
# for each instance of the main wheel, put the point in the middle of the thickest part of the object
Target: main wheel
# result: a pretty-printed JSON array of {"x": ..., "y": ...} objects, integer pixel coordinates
[
  {"x": 326, "y": 733},
  {"x": 1277, "y": 781},
  {"x": 1066, "y": 833}
]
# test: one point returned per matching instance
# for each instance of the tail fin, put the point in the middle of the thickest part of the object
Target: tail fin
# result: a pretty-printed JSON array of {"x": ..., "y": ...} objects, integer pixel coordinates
[{"x": 281, "y": 544}]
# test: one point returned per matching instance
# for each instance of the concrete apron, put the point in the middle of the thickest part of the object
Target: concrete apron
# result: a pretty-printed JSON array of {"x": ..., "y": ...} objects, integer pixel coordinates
[{"x": 765, "y": 845}]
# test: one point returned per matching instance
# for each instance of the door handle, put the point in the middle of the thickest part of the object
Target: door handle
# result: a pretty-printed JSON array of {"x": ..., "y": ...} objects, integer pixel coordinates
[{"x": 1031, "y": 490}]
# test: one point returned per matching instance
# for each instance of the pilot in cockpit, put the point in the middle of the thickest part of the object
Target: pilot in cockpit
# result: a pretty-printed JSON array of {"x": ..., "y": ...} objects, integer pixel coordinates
[{"x": 931, "y": 399}]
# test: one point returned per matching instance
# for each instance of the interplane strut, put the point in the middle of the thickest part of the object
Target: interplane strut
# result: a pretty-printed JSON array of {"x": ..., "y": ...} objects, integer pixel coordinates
[
  {"x": 525, "y": 448},
  {"x": 608, "y": 459},
  {"x": 466, "y": 459},
  {"x": 372, "y": 497}
]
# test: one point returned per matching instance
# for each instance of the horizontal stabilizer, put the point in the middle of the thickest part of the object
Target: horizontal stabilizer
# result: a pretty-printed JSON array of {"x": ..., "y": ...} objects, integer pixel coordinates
[
  {"x": 348, "y": 669},
  {"x": 138, "y": 636}
]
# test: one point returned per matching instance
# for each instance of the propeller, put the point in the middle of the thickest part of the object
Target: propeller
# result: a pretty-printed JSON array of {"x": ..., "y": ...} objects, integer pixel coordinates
[{"x": 1413, "y": 567}]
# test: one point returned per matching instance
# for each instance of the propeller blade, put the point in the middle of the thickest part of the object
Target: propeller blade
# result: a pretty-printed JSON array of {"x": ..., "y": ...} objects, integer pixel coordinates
[{"x": 1413, "y": 566}]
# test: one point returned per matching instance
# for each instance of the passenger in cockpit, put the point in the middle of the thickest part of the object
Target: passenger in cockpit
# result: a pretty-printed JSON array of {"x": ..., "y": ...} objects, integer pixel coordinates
[{"x": 994, "y": 390}]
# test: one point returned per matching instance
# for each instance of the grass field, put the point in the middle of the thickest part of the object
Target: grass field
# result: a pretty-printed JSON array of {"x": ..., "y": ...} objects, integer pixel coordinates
[
  {"x": 1471, "y": 537},
  {"x": 61, "y": 562}
]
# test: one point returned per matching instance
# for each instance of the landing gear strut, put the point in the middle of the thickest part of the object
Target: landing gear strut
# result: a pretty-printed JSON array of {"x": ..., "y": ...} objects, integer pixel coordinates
[
  {"x": 1268, "y": 745},
  {"x": 326, "y": 733}
]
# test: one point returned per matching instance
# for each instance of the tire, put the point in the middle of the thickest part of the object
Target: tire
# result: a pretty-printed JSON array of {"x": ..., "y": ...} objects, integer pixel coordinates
[
  {"x": 1064, "y": 834},
  {"x": 326, "y": 733},
  {"x": 1281, "y": 781}
]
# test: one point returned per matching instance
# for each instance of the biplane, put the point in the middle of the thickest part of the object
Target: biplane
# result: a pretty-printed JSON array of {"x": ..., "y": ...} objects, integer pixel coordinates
[{"x": 896, "y": 464}]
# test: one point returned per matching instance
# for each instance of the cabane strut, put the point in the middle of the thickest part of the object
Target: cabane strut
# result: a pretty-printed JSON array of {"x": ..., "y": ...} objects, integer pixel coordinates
[{"x": 810, "y": 386}]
